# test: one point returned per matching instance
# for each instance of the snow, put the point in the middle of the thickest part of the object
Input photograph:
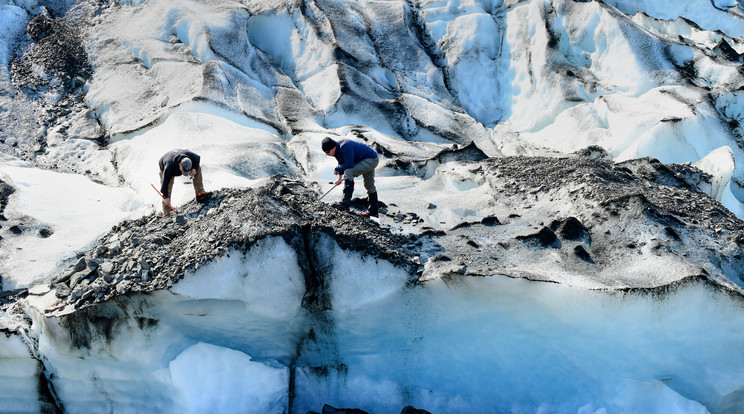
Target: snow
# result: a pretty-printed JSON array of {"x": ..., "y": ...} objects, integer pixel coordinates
[
  {"x": 63, "y": 203},
  {"x": 232, "y": 155}
]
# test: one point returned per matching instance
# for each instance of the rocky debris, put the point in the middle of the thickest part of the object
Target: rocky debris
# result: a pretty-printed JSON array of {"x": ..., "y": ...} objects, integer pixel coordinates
[
  {"x": 601, "y": 218},
  {"x": 327, "y": 409},
  {"x": 153, "y": 253},
  {"x": 426, "y": 162},
  {"x": 5, "y": 192},
  {"x": 56, "y": 61},
  {"x": 48, "y": 77}
]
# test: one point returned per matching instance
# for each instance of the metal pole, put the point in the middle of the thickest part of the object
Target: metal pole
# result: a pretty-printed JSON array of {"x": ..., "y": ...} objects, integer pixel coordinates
[
  {"x": 161, "y": 196},
  {"x": 321, "y": 197}
]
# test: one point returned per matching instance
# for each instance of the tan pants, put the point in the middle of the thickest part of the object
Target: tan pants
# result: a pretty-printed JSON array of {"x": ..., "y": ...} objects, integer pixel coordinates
[{"x": 198, "y": 188}]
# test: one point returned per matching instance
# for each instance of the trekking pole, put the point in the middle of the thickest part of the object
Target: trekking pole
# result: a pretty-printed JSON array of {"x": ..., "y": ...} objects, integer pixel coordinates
[
  {"x": 321, "y": 197},
  {"x": 161, "y": 196}
]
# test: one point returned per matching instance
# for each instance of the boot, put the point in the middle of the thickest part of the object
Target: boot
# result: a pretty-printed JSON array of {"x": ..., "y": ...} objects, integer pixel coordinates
[
  {"x": 372, "y": 210},
  {"x": 348, "y": 191},
  {"x": 203, "y": 197}
]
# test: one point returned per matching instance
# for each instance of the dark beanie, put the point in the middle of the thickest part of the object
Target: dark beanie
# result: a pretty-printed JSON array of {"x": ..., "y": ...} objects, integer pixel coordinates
[{"x": 327, "y": 144}]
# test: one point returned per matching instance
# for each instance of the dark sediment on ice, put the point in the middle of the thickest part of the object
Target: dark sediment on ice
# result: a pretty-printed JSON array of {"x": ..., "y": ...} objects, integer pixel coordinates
[
  {"x": 154, "y": 253},
  {"x": 575, "y": 220}
]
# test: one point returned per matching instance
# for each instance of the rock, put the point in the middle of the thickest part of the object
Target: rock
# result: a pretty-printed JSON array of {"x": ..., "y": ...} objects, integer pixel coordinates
[
  {"x": 107, "y": 267},
  {"x": 582, "y": 254},
  {"x": 114, "y": 248},
  {"x": 76, "y": 294},
  {"x": 78, "y": 277},
  {"x": 544, "y": 238},
  {"x": 57, "y": 305},
  {"x": 490, "y": 221},
  {"x": 571, "y": 229},
  {"x": 93, "y": 265},
  {"x": 45, "y": 232},
  {"x": 327, "y": 409},
  {"x": 80, "y": 265},
  {"x": 92, "y": 276},
  {"x": 39, "y": 290},
  {"x": 101, "y": 251},
  {"x": 411, "y": 410},
  {"x": 13, "y": 292}
]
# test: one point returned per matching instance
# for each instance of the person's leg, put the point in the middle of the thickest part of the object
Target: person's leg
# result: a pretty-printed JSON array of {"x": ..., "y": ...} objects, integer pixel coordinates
[
  {"x": 348, "y": 191},
  {"x": 362, "y": 167},
  {"x": 369, "y": 175},
  {"x": 198, "y": 182},
  {"x": 367, "y": 170},
  {"x": 166, "y": 207}
]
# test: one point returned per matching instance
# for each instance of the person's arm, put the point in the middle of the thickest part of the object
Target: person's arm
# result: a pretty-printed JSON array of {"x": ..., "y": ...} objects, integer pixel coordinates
[
  {"x": 167, "y": 177},
  {"x": 348, "y": 153}
]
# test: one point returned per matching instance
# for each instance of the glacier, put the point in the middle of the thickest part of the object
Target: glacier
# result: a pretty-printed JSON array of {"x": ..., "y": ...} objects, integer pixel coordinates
[{"x": 561, "y": 194}]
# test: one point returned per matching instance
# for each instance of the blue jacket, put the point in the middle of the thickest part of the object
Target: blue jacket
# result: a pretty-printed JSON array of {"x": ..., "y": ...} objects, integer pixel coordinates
[
  {"x": 349, "y": 153},
  {"x": 170, "y": 165}
]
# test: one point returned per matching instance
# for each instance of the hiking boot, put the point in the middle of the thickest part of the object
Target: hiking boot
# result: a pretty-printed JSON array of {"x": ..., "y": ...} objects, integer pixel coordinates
[
  {"x": 348, "y": 191},
  {"x": 373, "y": 205},
  {"x": 203, "y": 196},
  {"x": 368, "y": 214}
]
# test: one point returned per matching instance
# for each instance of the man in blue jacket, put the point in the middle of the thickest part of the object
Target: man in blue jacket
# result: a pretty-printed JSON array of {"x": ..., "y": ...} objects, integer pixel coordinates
[
  {"x": 354, "y": 159},
  {"x": 179, "y": 162}
]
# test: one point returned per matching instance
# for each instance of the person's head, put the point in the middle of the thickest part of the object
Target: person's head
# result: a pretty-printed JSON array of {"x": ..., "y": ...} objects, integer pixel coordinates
[
  {"x": 186, "y": 166},
  {"x": 328, "y": 145}
]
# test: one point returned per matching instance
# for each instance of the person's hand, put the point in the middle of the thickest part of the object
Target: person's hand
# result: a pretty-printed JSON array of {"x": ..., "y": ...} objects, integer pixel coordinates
[
  {"x": 339, "y": 180},
  {"x": 167, "y": 200}
]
